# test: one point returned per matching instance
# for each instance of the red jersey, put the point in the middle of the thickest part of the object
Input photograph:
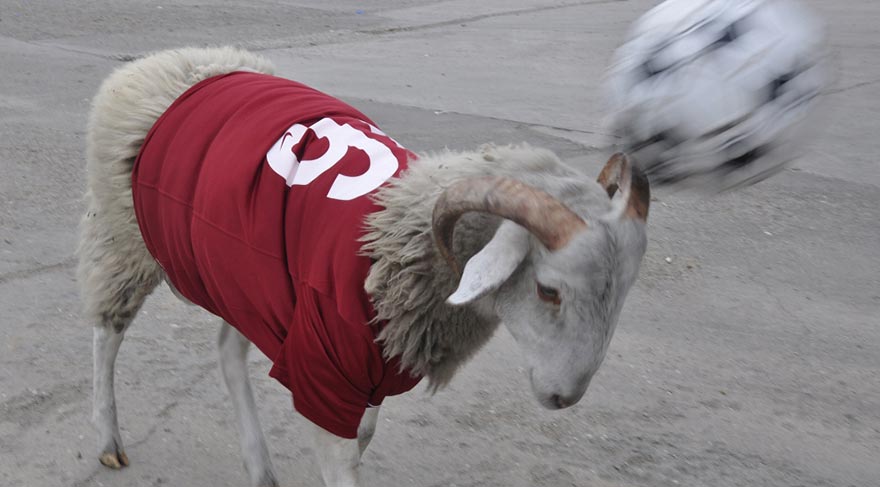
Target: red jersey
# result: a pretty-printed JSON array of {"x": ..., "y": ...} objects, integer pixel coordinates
[{"x": 251, "y": 192}]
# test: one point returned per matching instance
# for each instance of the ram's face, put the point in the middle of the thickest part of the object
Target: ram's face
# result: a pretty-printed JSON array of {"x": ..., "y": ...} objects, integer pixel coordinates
[
  {"x": 562, "y": 306},
  {"x": 558, "y": 282}
]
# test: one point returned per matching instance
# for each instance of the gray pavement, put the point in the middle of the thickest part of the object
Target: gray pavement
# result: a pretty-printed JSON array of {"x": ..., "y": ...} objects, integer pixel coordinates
[{"x": 750, "y": 359}]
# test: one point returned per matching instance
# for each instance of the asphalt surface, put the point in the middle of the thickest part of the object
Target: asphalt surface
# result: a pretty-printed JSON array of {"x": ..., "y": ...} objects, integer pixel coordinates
[{"x": 747, "y": 353}]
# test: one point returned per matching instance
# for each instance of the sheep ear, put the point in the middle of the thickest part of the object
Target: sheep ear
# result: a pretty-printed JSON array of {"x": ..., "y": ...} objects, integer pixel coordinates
[
  {"x": 621, "y": 174},
  {"x": 489, "y": 268}
]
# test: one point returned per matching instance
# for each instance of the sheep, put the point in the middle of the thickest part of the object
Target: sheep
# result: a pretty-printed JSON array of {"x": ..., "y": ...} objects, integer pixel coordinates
[{"x": 456, "y": 244}]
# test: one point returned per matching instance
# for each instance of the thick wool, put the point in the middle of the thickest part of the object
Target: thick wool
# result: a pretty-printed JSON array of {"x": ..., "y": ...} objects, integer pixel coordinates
[
  {"x": 410, "y": 281},
  {"x": 114, "y": 263}
]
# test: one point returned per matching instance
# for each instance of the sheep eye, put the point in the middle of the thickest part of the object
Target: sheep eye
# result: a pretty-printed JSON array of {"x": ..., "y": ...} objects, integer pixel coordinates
[{"x": 548, "y": 294}]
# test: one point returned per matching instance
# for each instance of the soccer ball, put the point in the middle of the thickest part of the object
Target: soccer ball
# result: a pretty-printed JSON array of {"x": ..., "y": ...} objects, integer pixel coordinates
[{"x": 718, "y": 94}]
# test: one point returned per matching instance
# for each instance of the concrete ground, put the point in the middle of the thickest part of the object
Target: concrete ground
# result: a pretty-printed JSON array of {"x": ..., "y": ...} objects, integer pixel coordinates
[{"x": 750, "y": 358}]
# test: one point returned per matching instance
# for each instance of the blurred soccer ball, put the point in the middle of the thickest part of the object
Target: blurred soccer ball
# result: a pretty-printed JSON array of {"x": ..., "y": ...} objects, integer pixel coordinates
[{"x": 718, "y": 94}]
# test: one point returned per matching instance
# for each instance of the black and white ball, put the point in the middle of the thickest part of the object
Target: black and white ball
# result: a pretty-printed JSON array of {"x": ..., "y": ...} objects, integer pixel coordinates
[{"x": 718, "y": 94}]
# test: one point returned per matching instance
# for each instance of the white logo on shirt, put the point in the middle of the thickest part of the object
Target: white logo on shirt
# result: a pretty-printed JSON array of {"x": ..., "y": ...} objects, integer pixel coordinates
[{"x": 383, "y": 163}]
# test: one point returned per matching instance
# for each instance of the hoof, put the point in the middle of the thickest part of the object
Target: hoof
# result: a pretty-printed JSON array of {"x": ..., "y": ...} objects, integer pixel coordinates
[{"x": 114, "y": 460}]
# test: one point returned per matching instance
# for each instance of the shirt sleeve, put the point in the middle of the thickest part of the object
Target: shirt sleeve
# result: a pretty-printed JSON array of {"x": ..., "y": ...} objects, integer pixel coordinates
[{"x": 330, "y": 365}]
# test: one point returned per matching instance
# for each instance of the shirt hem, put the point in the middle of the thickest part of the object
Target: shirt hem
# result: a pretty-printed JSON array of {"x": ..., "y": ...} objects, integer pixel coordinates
[{"x": 321, "y": 420}]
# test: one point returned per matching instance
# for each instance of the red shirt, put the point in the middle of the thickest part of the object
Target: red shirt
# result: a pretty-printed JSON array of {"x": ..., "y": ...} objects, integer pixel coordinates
[{"x": 251, "y": 192}]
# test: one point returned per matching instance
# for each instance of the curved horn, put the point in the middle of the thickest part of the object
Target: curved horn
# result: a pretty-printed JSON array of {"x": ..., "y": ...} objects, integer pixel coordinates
[
  {"x": 553, "y": 223},
  {"x": 619, "y": 173}
]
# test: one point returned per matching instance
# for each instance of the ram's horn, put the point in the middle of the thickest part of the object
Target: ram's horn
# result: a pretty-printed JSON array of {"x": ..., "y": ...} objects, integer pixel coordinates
[{"x": 553, "y": 223}]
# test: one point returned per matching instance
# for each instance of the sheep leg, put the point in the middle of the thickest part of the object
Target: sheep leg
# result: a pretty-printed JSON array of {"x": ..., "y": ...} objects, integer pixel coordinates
[
  {"x": 116, "y": 273},
  {"x": 367, "y": 428},
  {"x": 105, "y": 346},
  {"x": 115, "y": 284},
  {"x": 233, "y": 363},
  {"x": 337, "y": 457},
  {"x": 118, "y": 305}
]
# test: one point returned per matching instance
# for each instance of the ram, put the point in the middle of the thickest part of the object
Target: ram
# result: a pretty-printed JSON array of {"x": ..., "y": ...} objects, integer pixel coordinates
[{"x": 356, "y": 266}]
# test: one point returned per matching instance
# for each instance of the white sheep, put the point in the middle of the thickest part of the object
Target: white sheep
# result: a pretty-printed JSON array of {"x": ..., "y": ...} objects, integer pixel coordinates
[{"x": 548, "y": 253}]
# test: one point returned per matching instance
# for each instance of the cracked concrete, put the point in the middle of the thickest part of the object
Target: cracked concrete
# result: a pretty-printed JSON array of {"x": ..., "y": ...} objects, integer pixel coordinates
[
  {"x": 443, "y": 8},
  {"x": 66, "y": 264},
  {"x": 747, "y": 354}
]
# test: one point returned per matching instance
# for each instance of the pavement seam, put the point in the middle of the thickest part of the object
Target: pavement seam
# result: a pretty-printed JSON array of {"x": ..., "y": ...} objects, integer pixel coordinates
[
  {"x": 40, "y": 269},
  {"x": 52, "y": 44},
  {"x": 852, "y": 87},
  {"x": 475, "y": 18},
  {"x": 315, "y": 41},
  {"x": 439, "y": 111}
]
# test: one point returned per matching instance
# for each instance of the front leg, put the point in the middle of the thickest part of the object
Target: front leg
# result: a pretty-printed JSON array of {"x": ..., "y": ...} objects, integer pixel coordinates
[
  {"x": 233, "y": 363},
  {"x": 367, "y": 428},
  {"x": 338, "y": 458}
]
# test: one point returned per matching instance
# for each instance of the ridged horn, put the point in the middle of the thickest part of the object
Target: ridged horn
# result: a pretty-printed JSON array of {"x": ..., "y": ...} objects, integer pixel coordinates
[{"x": 553, "y": 223}]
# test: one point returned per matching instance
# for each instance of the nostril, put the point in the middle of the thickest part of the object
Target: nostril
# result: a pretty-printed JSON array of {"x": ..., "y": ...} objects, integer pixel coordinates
[{"x": 559, "y": 401}]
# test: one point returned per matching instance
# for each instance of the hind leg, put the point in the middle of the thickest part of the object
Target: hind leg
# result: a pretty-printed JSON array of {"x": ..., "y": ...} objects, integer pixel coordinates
[
  {"x": 106, "y": 345},
  {"x": 109, "y": 332},
  {"x": 116, "y": 273}
]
